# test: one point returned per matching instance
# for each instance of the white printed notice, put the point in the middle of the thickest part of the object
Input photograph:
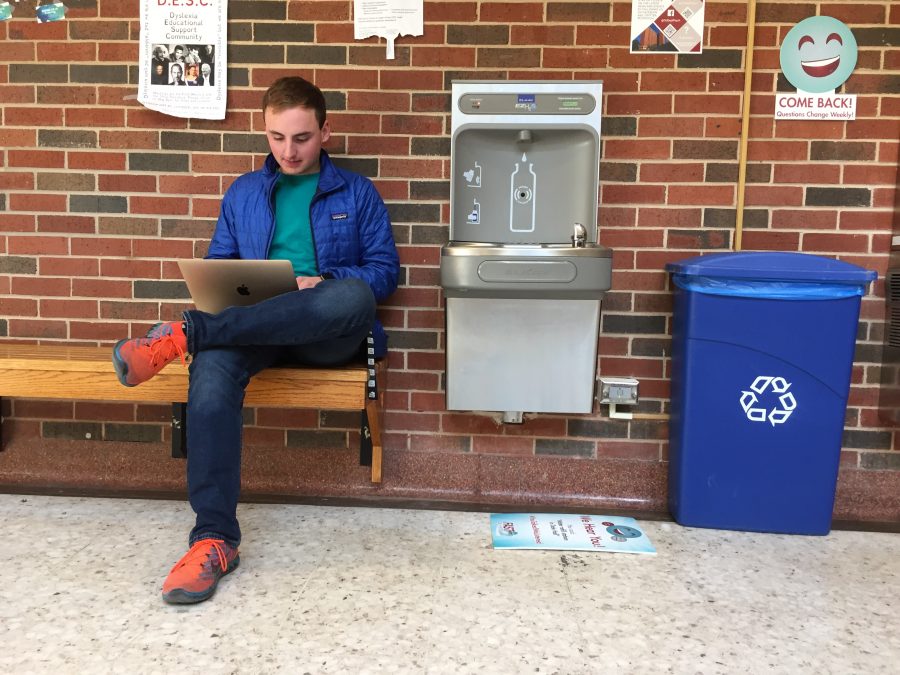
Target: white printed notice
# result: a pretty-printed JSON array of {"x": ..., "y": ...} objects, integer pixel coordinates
[
  {"x": 183, "y": 60},
  {"x": 388, "y": 19},
  {"x": 667, "y": 26}
]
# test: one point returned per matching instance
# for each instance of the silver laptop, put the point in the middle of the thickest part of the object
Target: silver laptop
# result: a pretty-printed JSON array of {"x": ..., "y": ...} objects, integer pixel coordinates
[{"x": 217, "y": 283}]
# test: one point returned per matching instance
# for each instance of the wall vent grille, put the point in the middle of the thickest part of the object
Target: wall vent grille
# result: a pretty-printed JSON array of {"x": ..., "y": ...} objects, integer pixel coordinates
[{"x": 893, "y": 293}]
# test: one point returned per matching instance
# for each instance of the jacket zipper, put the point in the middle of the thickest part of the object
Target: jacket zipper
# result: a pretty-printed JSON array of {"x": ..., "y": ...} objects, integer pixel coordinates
[
  {"x": 271, "y": 202},
  {"x": 312, "y": 230}
]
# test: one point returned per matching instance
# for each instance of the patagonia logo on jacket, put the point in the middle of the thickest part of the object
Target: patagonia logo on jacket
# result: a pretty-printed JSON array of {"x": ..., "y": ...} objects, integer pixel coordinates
[{"x": 339, "y": 216}]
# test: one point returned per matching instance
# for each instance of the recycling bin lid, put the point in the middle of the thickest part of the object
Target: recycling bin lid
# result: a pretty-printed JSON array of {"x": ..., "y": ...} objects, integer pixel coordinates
[{"x": 772, "y": 266}]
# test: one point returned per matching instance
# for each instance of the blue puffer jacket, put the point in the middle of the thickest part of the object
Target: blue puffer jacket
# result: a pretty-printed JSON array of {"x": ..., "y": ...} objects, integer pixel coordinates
[{"x": 350, "y": 225}]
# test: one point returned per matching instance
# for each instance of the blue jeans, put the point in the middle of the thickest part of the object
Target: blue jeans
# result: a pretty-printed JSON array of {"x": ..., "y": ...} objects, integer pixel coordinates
[{"x": 321, "y": 326}]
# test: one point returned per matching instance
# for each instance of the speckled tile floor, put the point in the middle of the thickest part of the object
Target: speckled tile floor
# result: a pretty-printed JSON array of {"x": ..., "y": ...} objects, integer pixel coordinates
[{"x": 365, "y": 590}]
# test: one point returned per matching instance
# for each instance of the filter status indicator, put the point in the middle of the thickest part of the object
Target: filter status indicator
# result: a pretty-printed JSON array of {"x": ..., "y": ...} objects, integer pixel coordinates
[{"x": 526, "y": 103}]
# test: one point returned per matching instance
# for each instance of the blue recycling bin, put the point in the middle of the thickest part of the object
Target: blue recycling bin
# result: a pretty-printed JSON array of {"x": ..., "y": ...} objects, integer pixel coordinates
[{"x": 762, "y": 350}]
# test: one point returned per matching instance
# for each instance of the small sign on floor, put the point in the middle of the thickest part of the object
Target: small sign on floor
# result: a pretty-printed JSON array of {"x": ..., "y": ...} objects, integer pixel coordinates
[{"x": 568, "y": 532}]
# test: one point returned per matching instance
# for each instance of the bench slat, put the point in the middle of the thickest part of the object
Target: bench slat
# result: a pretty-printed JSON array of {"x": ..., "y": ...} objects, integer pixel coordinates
[
  {"x": 92, "y": 359},
  {"x": 278, "y": 387}
]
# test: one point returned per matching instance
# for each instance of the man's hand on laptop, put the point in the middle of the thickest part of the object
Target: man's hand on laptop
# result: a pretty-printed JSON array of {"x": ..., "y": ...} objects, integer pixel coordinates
[{"x": 307, "y": 282}]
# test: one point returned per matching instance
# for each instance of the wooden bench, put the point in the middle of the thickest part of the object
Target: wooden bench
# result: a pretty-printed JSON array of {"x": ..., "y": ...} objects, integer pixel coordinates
[{"x": 87, "y": 374}]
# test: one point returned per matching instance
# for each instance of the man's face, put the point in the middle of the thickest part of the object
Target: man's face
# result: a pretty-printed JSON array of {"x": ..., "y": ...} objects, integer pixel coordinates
[
  {"x": 295, "y": 139},
  {"x": 179, "y": 53},
  {"x": 205, "y": 69}
]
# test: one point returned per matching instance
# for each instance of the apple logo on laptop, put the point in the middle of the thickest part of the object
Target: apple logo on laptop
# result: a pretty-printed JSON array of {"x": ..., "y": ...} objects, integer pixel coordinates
[{"x": 243, "y": 290}]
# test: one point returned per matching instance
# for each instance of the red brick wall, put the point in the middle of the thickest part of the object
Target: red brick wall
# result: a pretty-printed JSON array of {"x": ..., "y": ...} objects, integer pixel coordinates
[{"x": 100, "y": 196}]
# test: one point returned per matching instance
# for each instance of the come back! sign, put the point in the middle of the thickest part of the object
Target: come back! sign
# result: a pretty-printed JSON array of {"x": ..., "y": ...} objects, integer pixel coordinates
[{"x": 817, "y": 57}]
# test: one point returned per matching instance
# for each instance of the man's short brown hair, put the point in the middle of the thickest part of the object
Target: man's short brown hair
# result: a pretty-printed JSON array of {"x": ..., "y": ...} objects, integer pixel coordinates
[{"x": 295, "y": 92}]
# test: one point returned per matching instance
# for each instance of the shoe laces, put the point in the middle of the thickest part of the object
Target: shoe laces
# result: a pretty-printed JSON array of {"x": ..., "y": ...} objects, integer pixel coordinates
[
  {"x": 199, "y": 553},
  {"x": 163, "y": 346}
]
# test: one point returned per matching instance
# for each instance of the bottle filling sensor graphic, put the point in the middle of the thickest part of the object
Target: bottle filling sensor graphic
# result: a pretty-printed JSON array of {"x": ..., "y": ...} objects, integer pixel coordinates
[{"x": 523, "y": 274}]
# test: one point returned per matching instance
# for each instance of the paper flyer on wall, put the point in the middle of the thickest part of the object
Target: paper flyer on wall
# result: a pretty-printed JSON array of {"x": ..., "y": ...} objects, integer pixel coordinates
[
  {"x": 183, "y": 59},
  {"x": 388, "y": 19},
  {"x": 569, "y": 532},
  {"x": 667, "y": 26}
]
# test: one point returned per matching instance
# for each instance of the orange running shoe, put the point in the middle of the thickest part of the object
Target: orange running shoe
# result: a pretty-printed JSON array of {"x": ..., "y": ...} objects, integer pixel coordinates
[
  {"x": 195, "y": 577},
  {"x": 139, "y": 359}
]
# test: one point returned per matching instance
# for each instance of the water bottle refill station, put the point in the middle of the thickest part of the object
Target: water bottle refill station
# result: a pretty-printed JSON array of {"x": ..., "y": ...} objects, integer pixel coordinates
[{"x": 523, "y": 274}]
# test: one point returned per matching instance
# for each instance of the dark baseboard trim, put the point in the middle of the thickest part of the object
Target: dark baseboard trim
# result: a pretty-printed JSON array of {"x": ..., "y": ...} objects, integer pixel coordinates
[{"x": 388, "y": 503}]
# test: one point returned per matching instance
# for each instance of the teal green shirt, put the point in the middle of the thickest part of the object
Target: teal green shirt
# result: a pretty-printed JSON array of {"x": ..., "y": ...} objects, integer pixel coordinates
[{"x": 293, "y": 232}]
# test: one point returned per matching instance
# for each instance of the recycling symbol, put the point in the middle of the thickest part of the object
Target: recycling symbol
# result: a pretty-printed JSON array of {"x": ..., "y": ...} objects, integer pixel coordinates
[{"x": 780, "y": 412}]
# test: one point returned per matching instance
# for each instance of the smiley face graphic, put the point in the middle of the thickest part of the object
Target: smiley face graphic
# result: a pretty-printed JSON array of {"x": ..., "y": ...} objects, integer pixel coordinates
[
  {"x": 818, "y": 54},
  {"x": 623, "y": 532}
]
